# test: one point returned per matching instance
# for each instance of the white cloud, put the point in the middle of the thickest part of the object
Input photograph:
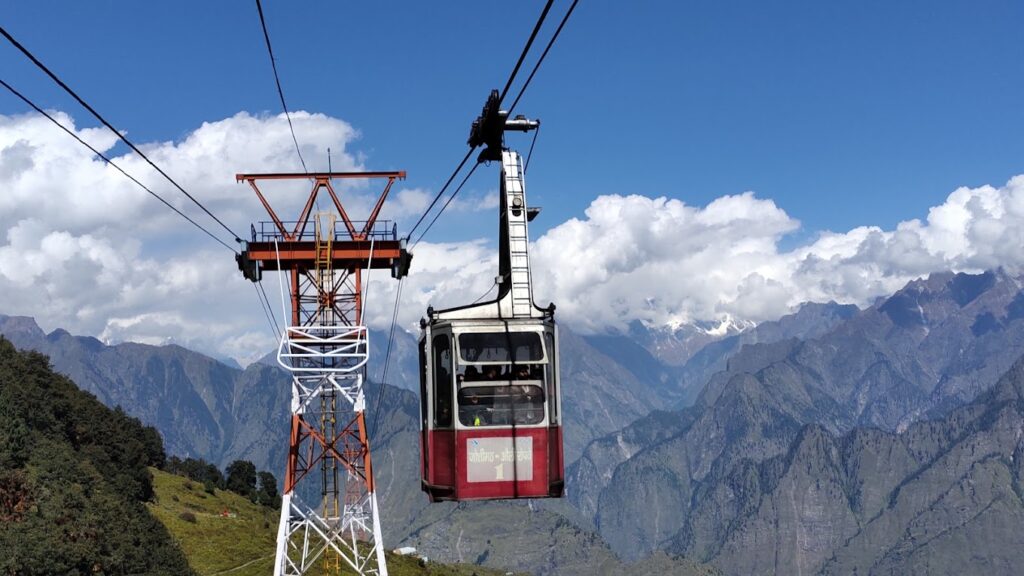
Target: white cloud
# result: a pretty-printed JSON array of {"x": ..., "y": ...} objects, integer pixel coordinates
[
  {"x": 89, "y": 251},
  {"x": 659, "y": 260},
  {"x": 406, "y": 202},
  {"x": 441, "y": 275},
  {"x": 663, "y": 262},
  {"x": 411, "y": 203},
  {"x": 86, "y": 250}
]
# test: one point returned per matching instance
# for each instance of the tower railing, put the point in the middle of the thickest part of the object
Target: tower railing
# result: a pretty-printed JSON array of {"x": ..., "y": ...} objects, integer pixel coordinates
[{"x": 267, "y": 231}]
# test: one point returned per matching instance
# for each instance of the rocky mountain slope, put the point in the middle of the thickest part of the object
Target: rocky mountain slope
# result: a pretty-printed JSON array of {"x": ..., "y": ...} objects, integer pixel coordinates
[
  {"x": 594, "y": 470},
  {"x": 708, "y": 481},
  {"x": 208, "y": 409},
  {"x": 811, "y": 320},
  {"x": 675, "y": 345},
  {"x": 929, "y": 348},
  {"x": 942, "y": 497},
  {"x": 202, "y": 407}
]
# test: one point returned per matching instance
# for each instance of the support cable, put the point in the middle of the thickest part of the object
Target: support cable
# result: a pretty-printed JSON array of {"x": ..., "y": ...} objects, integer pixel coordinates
[
  {"x": 123, "y": 138},
  {"x": 263, "y": 305},
  {"x": 280, "y": 282},
  {"x": 440, "y": 193},
  {"x": 277, "y": 80},
  {"x": 269, "y": 307},
  {"x": 484, "y": 295},
  {"x": 110, "y": 162},
  {"x": 526, "y": 49},
  {"x": 532, "y": 144},
  {"x": 508, "y": 84},
  {"x": 447, "y": 202},
  {"x": 540, "y": 60},
  {"x": 366, "y": 291},
  {"x": 371, "y": 432}
]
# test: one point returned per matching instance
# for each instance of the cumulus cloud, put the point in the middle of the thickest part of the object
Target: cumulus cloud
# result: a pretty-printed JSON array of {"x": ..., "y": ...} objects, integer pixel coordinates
[
  {"x": 442, "y": 275},
  {"x": 659, "y": 260},
  {"x": 665, "y": 263},
  {"x": 86, "y": 250}
]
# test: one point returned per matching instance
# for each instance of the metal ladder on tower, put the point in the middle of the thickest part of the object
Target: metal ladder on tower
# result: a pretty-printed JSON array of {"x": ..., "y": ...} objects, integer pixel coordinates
[
  {"x": 518, "y": 238},
  {"x": 324, "y": 231},
  {"x": 324, "y": 240}
]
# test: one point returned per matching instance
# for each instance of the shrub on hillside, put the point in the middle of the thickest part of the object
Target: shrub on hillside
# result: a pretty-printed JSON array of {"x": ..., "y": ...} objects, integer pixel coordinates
[{"x": 70, "y": 468}]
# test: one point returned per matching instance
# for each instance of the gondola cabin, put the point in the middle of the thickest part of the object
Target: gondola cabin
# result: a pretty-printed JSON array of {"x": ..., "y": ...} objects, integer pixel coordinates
[
  {"x": 489, "y": 387},
  {"x": 490, "y": 410}
]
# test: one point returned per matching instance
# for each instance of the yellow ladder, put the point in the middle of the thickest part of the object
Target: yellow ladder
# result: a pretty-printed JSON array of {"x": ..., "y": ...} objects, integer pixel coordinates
[{"x": 324, "y": 240}]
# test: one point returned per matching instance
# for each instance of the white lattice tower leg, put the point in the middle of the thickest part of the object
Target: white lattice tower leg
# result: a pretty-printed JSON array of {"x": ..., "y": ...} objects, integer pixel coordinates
[{"x": 325, "y": 362}]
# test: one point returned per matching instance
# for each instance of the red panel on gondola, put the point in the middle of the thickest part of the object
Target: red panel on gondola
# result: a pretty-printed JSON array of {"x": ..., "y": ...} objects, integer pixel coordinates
[
  {"x": 484, "y": 464},
  {"x": 556, "y": 467},
  {"x": 443, "y": 451},
  {"x": 501, "y": 463}
]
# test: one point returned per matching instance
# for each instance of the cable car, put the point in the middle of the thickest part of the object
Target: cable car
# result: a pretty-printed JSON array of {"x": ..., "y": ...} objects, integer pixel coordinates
[{"x": 489, "y": 389}]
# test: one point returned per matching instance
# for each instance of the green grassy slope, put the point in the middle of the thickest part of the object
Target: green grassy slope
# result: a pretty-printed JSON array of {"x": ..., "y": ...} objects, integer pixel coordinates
[
  {"x": 215, "y": 543},
  {"x": 242, "y": 543}
]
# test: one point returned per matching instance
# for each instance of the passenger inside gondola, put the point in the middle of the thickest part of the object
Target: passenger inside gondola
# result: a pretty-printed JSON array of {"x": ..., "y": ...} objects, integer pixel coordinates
[
  {"x": 502, "y": 405},
  {"x": 531, "y": 394},
  {"x": 472, "y": 410}
]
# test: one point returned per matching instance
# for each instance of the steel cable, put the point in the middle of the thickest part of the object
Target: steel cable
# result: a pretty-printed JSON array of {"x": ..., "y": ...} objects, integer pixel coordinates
[
  {"x": 277, "y": 80},
  {"x": 447, "y": 202},
  {"x": 508, "y": 84},
  {"x": 110, "y": 162},
  {"x": 526, "y": 49},
  {"x": 109, "y": 126},
  {"x": 543, "y": 55},
  {"x": 371, "y": 432}
]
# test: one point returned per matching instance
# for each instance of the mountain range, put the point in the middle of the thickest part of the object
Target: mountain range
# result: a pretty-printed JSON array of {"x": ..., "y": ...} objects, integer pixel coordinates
[
  {"x": 206, "y": 408},
  {"x": 696, "y": 481},
  {"x": 832, "y": 440}
]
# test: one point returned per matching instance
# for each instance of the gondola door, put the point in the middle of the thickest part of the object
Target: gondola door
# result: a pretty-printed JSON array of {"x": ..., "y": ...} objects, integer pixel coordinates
[
  {"x": 426, "y": 395},
  {"x": 437, "y": 414}
]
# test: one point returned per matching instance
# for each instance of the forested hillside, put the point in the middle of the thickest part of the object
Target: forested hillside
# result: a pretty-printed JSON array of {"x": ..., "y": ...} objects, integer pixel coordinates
[{"x": 73, "y": 480}]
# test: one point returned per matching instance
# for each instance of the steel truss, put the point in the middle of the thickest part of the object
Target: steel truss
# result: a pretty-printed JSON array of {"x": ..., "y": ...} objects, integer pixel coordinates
[
  {"x": 344, "y": 532},
  {"x": 326, "y": 348}
]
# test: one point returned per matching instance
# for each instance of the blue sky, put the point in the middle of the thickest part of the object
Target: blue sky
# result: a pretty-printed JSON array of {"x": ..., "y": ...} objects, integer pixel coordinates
[
  {"x": 859, "y": 118},
  {"x": 844, "y": 113}
]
